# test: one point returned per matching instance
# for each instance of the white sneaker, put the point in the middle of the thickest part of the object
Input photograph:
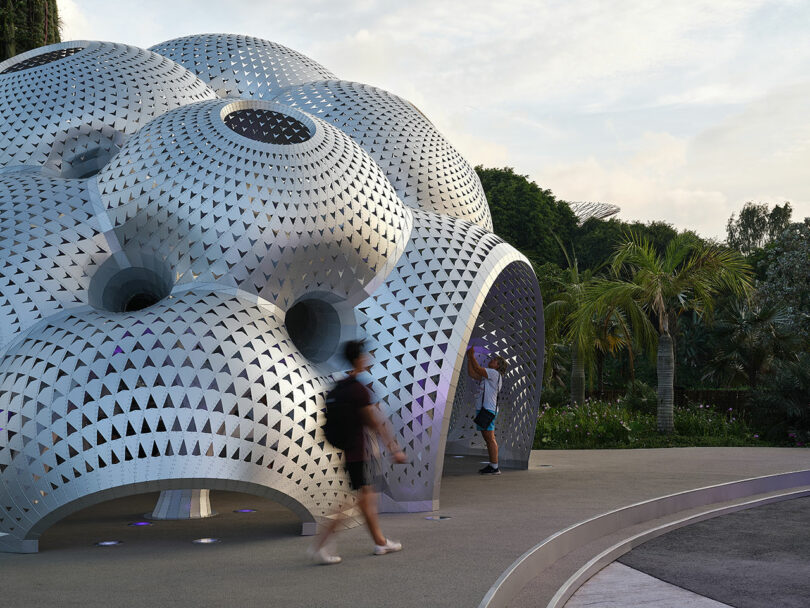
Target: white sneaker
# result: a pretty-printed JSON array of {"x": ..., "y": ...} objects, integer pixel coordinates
[
  {"x": 390, "y": 546},
  {"x": 322, "y": 556}
]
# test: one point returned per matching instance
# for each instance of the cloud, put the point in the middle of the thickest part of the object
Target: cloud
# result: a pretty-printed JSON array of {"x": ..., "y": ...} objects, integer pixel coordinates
[
  {"x": 677, "y": 111},
  {"x": 761, "y": 153},
  {"x": 75, "y": 25}
]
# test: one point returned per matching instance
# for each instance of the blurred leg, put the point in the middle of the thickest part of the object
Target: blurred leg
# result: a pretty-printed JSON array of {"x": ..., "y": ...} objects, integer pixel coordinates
[
  {"x": 492, "y": 445},
  {"x": 367, "y": 502}
]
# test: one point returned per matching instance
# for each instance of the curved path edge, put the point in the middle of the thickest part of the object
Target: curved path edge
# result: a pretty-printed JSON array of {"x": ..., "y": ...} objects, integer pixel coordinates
[
  {"x": 554, "y": 547},
  {"x": 611, "y": 554}
]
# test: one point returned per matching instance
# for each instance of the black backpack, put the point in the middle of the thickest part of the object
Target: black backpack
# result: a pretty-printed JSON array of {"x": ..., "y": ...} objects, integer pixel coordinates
[{"x": 341, "y": 423}]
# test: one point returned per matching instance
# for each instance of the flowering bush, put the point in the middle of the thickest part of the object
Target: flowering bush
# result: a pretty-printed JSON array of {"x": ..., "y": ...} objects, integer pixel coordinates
[{"x": 605, "y": 424}]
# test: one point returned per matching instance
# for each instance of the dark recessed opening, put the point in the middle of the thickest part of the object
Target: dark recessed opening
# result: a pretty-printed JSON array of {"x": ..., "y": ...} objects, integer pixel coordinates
[
  {"x": 130, "y": 288},
  {"x": 38, "y": 60},
  {"x": 134, "y": 289},
  {"x": 267, "y": 126},
  {"x": 140, "y": 301},
  {"x": 314, "y": 327},
  {"x": 88, "y": 163}
]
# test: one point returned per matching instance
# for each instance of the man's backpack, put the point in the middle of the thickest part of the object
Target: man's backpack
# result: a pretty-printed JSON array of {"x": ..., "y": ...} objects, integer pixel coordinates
[{"x": 342, "y": 421}]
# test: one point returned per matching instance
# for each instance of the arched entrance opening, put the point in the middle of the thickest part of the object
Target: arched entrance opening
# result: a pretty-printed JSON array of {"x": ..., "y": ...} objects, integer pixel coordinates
[{"x": 509, "y": 324}]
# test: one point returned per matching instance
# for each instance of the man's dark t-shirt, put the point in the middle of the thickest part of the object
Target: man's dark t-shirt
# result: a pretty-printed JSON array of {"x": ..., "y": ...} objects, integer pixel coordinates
[{"x": 359, "y": 397}]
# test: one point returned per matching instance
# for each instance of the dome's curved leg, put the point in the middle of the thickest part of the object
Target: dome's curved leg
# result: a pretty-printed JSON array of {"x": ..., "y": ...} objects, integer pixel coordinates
[{"x": 418, "y": 325}]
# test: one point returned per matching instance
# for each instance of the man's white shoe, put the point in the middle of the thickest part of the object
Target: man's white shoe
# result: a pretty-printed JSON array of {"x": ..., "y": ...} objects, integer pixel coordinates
[
  {"x": 390, "y": 546},
  {"x": 322, "y": 556}
]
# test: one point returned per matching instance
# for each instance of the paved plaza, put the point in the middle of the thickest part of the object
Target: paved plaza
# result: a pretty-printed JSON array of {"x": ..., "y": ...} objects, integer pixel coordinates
[{"x": 260, "y": 559}]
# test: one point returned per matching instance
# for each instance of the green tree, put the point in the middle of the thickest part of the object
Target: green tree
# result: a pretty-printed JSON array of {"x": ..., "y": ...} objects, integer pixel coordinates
[
  {"x": 28, "y": 24},
  {"x": 596, "y": 240},
  {"x": 525, "y": 215},
  {"x": 756, "y": 226},
  {"x": 787, "y": 275},
  {"x": 688, "y": 276},
  {"x": 778, "y": 220},
  {"x": 560, "y": 315},
  {"x": 748, "y": 337},
  {"x": 608, "y": 322},
  {"x": 612, "y": 335},
  {"x": 552, "y": 280},
  {"x": 781, "y": 401}
]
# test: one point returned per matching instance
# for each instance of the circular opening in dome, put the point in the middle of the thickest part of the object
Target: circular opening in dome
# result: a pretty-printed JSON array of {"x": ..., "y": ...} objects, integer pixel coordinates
[
  {"x": 130, "y": 288},
  {"x": 267, "y": 126},
  {"x": 134, "y": 289},
  {"x": 89, "y": 162},
  {"x": 314, "y": 327},
  {"x": 42, "y": 59}
]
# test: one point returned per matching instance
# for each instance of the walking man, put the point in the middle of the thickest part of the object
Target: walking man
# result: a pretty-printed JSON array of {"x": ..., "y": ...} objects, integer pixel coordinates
[
  {"x": 490, "y": 379},
  {"x": 362, "y": 414}
]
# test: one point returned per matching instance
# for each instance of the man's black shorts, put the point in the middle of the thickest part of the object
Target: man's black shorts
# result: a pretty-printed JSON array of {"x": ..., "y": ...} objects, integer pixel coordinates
[{"x": 358, "y": 476}]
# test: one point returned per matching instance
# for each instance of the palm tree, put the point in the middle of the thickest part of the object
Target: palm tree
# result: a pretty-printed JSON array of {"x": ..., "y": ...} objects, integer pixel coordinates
[
  {"x": 688, "y": 276},
  {"x": 606, "y": 322},
  {"x": 748, "y": 338},
  {"x": 559, "y": 314},
  {"x": 612, "y": 334}
]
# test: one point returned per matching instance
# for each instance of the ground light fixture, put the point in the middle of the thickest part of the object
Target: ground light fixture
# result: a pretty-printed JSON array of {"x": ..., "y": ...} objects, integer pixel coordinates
[
  {"x": 438, "y": 517},
  {"x": 244, "y": 510},
  {"x": 205, "y": 541},
  {"x": 138, "y": 524},
  {"x": 108, "y": 543}
]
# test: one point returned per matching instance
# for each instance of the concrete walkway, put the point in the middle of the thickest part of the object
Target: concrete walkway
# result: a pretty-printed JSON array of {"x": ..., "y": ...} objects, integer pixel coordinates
[
  {"x": 619, "y": 586},
  {"x": 260, "y": 559},
  {"x": 756, "y": 558}
]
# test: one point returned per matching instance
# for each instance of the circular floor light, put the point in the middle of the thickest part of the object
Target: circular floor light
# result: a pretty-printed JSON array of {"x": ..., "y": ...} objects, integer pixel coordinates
[
  {"x": 108, "y": 543},
  {"x": 205, "y": 541},
  {"x": 244, "y": 510},
  {"x": 438, "y": 517},
  {"x": 138, "y": 524}
]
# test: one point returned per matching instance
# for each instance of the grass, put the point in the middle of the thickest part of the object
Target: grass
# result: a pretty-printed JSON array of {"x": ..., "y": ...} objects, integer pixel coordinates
[{"x": 603, "y": 424}]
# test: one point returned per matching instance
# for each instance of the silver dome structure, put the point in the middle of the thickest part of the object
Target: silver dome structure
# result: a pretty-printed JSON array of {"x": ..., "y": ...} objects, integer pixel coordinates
[
  {"x": 425, "y": 170},
  {"x": 242, "y": 66},
  {"x": 70, "y": 106},
  {"x": 587, "y": 210},
  {"x": 171, "y": 312}
]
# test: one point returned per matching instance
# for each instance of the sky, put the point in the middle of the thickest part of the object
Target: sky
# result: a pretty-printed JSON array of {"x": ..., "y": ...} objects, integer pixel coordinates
[{"x": 674, "y": 111}]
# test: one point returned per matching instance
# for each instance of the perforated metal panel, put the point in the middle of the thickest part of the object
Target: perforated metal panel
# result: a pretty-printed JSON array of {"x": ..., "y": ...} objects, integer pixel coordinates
[
  {"x": 425, "y": 170},
  {"x": 242, "y": 66},
  {"x": 171, "y": 315},
  {"x": 601, "y": 211},
  {"x": 65, "y": 102},
  {"x": 278, "y": 220}
]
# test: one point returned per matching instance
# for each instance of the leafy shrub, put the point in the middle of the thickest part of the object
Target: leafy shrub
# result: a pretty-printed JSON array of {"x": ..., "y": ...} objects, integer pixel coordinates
[
  {"x": 782, "y": 402},
  {"x": 556, "y": 396},
  {"x": 641, "y": 397},
  {"x": 592, "y": 424},
  {"x": 699, "y": 420},
  {"x": 604, "y": 424}
]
